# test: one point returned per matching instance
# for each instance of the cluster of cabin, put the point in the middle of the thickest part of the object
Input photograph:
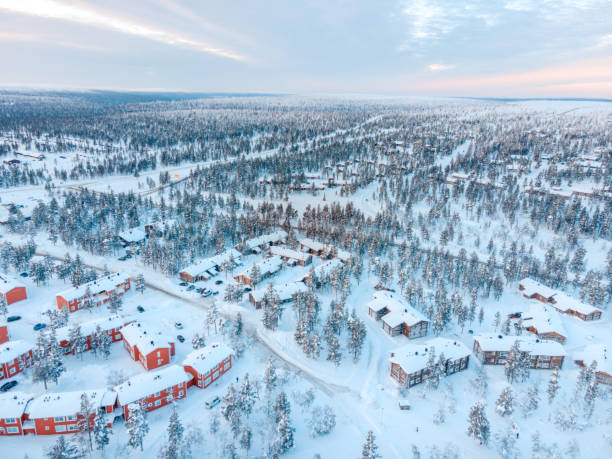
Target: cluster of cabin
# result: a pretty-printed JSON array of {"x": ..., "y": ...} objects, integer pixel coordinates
[
  {"x": 396, "y": 316},
  {"x": 58, "y": 412},
  {"x": 97, "y": 291},
  {"x": 210, "y": 267}
]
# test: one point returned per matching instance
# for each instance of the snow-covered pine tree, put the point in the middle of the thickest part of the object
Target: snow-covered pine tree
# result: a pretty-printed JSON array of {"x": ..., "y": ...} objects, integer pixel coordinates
[
  {"x": 75, "y": 340},
  {"x": 3, "y": 306},
  {"x": 103, "y": 342},
  {"x": 357, "y": 335},
  {"x": 432, "y": 375},
  {"x": 137, "y": 426},
  {"x": 230, "y": 409},
  {"x": 174, "y": 447},
  {"x": 370, "y": 448},
  {"x": 42, "y": 367},
  {"x": 512, "y": 366},
  {"x": 140, "y": 283},
  {"x": 322, "y": 421},
  {"x": 85, "y": 416},
  {"x": 553, "y": 385},
  {"x": 101, "y": 432},
  {"x": 532, "y": 399},
  {"x": 114, "y": 303},
  {"x": 63, "y": 449},
  {"x": 505, "y": 402},
  {"x": 478, "y": 427},
  {"x": 247, "y": 395},
  {"x": 284, "y": 435},
  {"x": 245, "y": 440},
  {"x": 54, "y": 357},
  {"x": 334, "y": 353},
  {"x": 270, "y": 377}
]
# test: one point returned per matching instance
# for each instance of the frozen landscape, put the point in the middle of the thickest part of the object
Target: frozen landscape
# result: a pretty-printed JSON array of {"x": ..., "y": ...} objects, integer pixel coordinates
[{"x": 266, "y": 276}]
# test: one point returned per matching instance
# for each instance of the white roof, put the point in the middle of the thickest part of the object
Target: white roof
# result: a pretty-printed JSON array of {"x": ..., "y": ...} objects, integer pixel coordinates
[
  {"x": 565, "y": 302},
  {"x": 202, "y": 266},
  {"x": 52, "y": 404},
  {"x": 413, "y": 356},
  {"x": 103, "y": 284},
  {"x": 89, "y": 327},
  {"x": 400, "y": 311},
  {"x": 133, "y": 234},
  {"x": 289, "y": 253},
  {"x": 146, "y": 336},
  {"x": 531, "y": 287},
  {"x": 284, "y": 291},
  {"x": 8, "y": 283},
  {"x": 13, "y": 404},
  {"x": 544, "y": 319},
  {"x": 10, "y": 350},
  {"x": 502, "y": 343},
  {"x": 597, "y": 352},
  {"x": 312, "y": 244},
  {"x": 266, "y": 267},
  {"x": 145, "y": 384},
  {"x": 205, "y": 359},
  {"x": 343, "y": 255},
  {"x": 276, "y": 236}
]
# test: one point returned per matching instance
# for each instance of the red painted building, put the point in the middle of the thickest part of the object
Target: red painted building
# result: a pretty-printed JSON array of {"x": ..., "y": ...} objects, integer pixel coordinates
[
  {"x": 147, "y": 345},
  {"x": 12, "y": 290},
  {"x": 58, "y": 413},
  {"x": 99, "y": 291},
  {"x": 153, "y": 390},
  {"x": 207, "y": 364},
  {"x": 110, "y": 325},
  {"x": 15, "y": 356},
  {"x": 4, "y": 336},
  {"x": 12, "y": 412}
]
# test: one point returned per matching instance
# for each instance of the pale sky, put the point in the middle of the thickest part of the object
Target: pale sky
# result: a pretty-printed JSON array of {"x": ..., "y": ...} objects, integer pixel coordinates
[{"x": 497, "y": 48}]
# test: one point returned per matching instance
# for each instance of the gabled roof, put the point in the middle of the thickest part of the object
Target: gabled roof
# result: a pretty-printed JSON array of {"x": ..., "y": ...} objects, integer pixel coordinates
[
  {"x": 200, "y": 267},
  {"x": 545, "y": 319},
  {"x": 413, "y": 356},
  {"x": 147, "y": 337},
  {"x": 8, "y": 283},
  {"x": 133, "y": 234},
  {"x": 532, "y": 287},
  {"x": 492, "y": 342},
  {"x": 145, "y": 384},
  {"x": 565, "y": 302},
  {"x": 205, "y": 359},
  {"x": 13, "y": 404},
  {"x": 268, "y": 266},
  {"x": 597, "y": 352},
  {"x": 102, "y": 284},
  {"x": 289, "y": 253},
  {"x": 312, "y": 244},
  {"x": 276, "y": 236},
  {"x": 11, "y": 350},
  {"x": 399, "y": 311},
  {"x": 52, "y": 404},
  {"x": 89, "y": 327}
]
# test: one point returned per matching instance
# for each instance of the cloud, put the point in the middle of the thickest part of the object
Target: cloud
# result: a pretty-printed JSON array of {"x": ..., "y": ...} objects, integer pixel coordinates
[
  {"x": 440, "y": 67},
  {"x": 86, "y": 15},
  {"x": 45, "y": 40}
]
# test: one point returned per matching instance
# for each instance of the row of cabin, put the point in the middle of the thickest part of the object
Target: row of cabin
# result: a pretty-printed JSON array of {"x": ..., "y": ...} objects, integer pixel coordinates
[
  {"x": 98, "y": 291},
  {"x": 560, "y": 301},
  {"x": 492, "y": 349},
  {"x": 210, "y": 267},
  {"x": 260, "y": 271},
  {"x": 324, "y": 250},
  {"x": 12, "y": 290},
  {"x": 397, "y": 317},
  {"x": 262, "y": 243},
  {"x": 284, "y": 293},
  {"x": 409, "y": 364},
  {"x": 58, "y": 413}
]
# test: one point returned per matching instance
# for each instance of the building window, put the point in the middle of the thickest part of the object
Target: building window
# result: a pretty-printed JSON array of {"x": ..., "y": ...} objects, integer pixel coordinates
[
  {"x": 157, "y": 394},
  {"x": 72, "y": 418},
  {"x": 157, "y": 402},
  {"x": 12, "y": 430},
  {"x": 180, "y": 385},
  {"x": 72, "y": 428},
  {"x": 181, "y": 393},
  {"x": 59, "y": 419},
  {"x": 60, "y": 428},
  {"x": 10, "y": 421}
]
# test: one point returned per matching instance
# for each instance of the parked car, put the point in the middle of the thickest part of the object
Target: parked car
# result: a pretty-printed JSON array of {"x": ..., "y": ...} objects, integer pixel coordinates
[
  {"x": 210, "y": 404},
  {"x": 207, "y": 294},
  {"x": 140, "y": 309},
  {"x": 128, "y": 256},
  {"x": 24, "y": 274},
  {"x": 200, "y": 290},
  {"x": 122, "y": 258},
  {"x": 515, "y": 315},
  {"x": 183, "y": 284},
  {"x": 178, "y": 325},
  {"x": 247, "y": 289},
  {"x": 8, "y": 386},
  {"x": 39, "y": 326},
  {"x": 181, "y": 338},
  {"x": 216, "y": 292},
  {"x": 12, "y": 318},
  {"x": 191, "y": 287},
  {"x": 218, "y": 282}
]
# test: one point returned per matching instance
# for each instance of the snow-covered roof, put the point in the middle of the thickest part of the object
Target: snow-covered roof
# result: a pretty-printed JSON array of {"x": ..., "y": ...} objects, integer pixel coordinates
[
  {"x": 11, "y": 350},
  {"x": 202, "y": 266},
  {"x": 492, "y": 342},
  {"x": 565, "y": 302},
  {"x": 13, "y": 404},
  {"x": 146, "y": 336},
  {"x": 597, "y": 352},
  {"x": 275, "y": 237},
  {"x": 399, "y": 311},
  {"x": 326, "y": 268},
  {"x": 102, "y": 284},
  {"x": 544, "y": 319},
  {"x": 413, "y": 356},
  {"x": 343, "y": 255},
  {"x": 133, "y": 234},
  {"x": 8, "y": 283},
  {"x": 205, "y": 359},
  {"x": 531, "y": 287},
  {"x": 145, "y": 384},
  {"x": 284, "y": 291},
  {"x": 289, "y": 253},
  {"x": 266, "y": 267},
  {"x": 53, "y": 404},
  {"x": 89, "y": 327},
  {"x": 312, "y": 244}
]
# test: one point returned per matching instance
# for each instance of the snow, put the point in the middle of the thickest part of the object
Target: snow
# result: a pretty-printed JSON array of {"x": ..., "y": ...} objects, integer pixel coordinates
[
  {"x": 565, "y": 302},
  {"x": 531, "y": 287},
  {"x": 89, "y": 327},
  {"x": 199, "y": 268},
  {"x": 312, "y": 244},
  {"x": 289, "y": 253},
  {"x": 13, "y": 404},
  {"x": 145, "y": 384},
  {"x": 205, "y": 359},
  {"x": 8, "y": 283},
  {"x": 323, "y": 270},
  {"x": 413, "y": 356},
  {"x": 544, "y": 319},
  {"x": 100, "y": 285},
  {"x": 146, "y": 336},
  {"x": 266, "y": 267},
  {"x": 399, "y": 311},
  {"x": 595, "y": 352},
  {"x": 12, "y": 350},
  {"x": 491, "y": 342},
  {"x": 55, "y": 404},
  {"x": 284, "y": 291},
  {"x": 131, "y": 235}
]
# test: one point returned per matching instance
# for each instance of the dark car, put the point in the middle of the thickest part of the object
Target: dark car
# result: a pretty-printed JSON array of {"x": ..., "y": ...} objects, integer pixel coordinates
[
  {"x": 191, "y": 287},
  {"x": 183, "y": 284},
  {"x": 8, "y": 386},
  {"x": 140, "y": 309},
  {"x": 39, "y": 326},
  {"x": 218, "y": 282},
  {"x": 216, "y": 292},
  {"x": 24, "y": 274},
  {"x": 247, "y": 289},
  {"x": 12, "y": 318},
  {"x": 122, "y": 258},
  {"x": 206, "y": 294},
  {"x": 181, "y": 338}
]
